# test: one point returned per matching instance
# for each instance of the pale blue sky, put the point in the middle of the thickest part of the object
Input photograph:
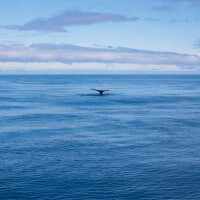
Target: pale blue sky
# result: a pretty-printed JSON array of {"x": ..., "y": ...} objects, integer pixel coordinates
[{"x": 153, "y": 27}]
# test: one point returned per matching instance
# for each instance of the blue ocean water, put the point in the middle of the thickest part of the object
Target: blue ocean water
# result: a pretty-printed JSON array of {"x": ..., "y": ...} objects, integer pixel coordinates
[{"x": 60, "y": 140}]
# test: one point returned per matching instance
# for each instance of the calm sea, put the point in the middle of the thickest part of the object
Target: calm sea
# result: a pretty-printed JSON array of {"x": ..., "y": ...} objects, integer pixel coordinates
[{"x": 60, "y": 140}]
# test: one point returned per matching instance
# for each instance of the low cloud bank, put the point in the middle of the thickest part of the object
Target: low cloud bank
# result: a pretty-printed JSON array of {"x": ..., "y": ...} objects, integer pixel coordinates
[{"x": 65, "y": 53}]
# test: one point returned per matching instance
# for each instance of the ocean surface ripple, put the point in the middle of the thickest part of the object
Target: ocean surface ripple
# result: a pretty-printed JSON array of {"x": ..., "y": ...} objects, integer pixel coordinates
[{"x": 60, "y": 140}]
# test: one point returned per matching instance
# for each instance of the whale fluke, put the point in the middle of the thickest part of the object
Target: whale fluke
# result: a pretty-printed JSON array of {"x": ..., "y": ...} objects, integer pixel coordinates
[{"x": 100, "y": 91}]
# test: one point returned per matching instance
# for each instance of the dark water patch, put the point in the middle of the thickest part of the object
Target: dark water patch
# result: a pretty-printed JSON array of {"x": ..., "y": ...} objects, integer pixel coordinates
[{"x": 97, "y": 94}]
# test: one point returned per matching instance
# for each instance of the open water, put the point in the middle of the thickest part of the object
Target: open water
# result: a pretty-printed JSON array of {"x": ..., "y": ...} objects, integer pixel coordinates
[{"x": 60, "y": 140}]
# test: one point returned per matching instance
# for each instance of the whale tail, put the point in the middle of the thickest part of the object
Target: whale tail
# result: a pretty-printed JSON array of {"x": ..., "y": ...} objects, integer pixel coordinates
[{"x": 100, "y": 91}]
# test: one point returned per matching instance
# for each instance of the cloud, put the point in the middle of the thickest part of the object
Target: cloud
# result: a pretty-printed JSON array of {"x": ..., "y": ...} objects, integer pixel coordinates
[
  {"x": 174, "y": 20},
  {"x": 197, "y": 43},
  {"x": 186, "y": 2},
  {"x": 153, "y": 19},
  {"x": 162, "y": 8},
  {"x": 59, "y": 22},
  {"x": 64, "y": 53},
  {"x": 190, "y": 2}
]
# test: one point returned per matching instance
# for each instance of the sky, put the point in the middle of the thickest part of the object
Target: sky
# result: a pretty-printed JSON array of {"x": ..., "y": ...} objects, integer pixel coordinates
[{"x": 95, "y": 36}]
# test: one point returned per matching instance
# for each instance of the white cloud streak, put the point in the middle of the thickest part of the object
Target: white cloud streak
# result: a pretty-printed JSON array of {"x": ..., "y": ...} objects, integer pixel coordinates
[{"x": 64, "y": 53}]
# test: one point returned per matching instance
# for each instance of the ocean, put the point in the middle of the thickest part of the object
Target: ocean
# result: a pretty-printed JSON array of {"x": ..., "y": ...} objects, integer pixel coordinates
[{"x": 60, "y": 140}]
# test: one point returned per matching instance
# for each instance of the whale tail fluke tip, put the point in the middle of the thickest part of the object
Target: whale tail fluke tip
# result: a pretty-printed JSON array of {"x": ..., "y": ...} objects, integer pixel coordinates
[{"x": 100, "y": 91}]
